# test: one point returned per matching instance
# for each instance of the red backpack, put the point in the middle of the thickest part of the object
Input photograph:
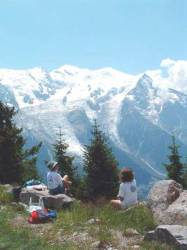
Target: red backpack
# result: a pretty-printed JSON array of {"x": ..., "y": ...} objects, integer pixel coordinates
[{"x": 39, "y": 216}]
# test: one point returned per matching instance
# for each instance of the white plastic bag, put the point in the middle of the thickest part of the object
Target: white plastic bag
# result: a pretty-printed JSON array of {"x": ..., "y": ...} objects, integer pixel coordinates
[{"x": 35, "y": 206}]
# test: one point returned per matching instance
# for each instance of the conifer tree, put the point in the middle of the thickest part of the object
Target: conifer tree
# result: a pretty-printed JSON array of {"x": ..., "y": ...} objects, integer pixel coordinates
[
  {"x": 65, "y": 161},
  {"x": 185, "y": 179},
  {"x": 100, "y": 166},
  {"x": 175, "y": 168},
  {"x": 15, "y": 162},
  {"x": 185, "y": 175},
  {"x": 29, "y": 163}
]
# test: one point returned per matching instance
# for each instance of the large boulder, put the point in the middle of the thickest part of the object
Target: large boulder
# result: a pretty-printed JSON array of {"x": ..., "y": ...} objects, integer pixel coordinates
[
  {"x": 177, "y": 211},
  {"x": 50, "y": 201},
  {"x": 175, "y": 235},
  {"x": 167, "y": 201}
]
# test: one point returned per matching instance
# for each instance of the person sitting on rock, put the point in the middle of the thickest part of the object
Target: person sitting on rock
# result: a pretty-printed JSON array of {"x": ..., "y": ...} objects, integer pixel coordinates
[
  {"x": 127, "y": 194},
  {"x": 55, "y": 182}
]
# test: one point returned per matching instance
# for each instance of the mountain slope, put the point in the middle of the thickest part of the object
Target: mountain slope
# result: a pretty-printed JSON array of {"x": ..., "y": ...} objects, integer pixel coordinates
[{"x": 137, "y": 116}]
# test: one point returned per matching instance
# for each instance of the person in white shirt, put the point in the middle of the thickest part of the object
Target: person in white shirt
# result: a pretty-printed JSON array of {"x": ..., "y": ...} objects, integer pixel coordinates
[
  {"x": 127, "y": 195},
  {"x": 55, "y": 182}
]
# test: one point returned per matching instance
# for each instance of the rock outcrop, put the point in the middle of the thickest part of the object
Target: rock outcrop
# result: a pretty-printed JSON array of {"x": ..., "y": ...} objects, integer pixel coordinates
[
  {"x": 175, "y": 235},
  {"x": 177, "y": 211},
  {"x": 50, "y": 201},
  {"x": 168, "y": 202}
]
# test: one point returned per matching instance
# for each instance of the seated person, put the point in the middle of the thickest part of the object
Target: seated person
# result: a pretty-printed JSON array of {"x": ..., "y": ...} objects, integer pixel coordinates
[
  {"x": 56, "y": 184},
  {"x": 127, "y": 195}
]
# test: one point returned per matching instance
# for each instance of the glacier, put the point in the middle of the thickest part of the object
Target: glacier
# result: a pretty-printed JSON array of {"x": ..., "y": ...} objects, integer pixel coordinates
[{"x": 135, "y": 112}]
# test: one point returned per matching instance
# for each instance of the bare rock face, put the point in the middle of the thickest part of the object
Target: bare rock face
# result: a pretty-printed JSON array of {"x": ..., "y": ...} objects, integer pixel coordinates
[
  {"x": 167, "y": 201},
  {"x": 50, "y": 201},
  {"x": 175, "y": 235},
  {"x": 177, "y": 211}
]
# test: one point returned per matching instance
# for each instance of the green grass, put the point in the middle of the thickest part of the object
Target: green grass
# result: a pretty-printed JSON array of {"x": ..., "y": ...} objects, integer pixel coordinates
[
  {"x": 75, "y": 221},
  {"x": 19, "y": 238},
  {"x": 5, "y": 197},
  {"x": 155, "y": 246}
]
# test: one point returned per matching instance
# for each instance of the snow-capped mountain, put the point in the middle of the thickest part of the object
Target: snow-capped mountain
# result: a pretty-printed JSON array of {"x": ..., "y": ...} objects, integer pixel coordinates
[{"x": 137, "y": 115}]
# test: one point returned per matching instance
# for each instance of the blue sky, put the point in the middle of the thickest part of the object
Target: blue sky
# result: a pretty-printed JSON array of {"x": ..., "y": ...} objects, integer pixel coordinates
[{"x": 128, "y": 35}]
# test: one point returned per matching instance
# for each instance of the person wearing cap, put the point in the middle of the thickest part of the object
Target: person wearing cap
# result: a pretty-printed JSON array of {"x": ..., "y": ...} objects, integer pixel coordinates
[
  {"x": 127, "y": 195},
  {"x": 55, "y": 182}
]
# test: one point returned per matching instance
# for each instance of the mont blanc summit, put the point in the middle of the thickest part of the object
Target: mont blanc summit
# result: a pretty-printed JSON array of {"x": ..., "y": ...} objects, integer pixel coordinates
[{"x": 137, "y": 114}]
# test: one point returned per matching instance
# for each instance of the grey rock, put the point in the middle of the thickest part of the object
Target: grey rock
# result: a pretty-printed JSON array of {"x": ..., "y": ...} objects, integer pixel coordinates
[
  {"x": 95, "y": 245},
  {"x": 150, "y": 236},
  {"x": 177, "y": 211},
  {"x": 120, "y": 238},
  {"x": 129, "y": 232},
  {"x": 163, "y": 194},
  {"x": 135, "y": 247},
  {"x": 93, "y": 221},
  {"x": 80, "y": 236},
  {"x": 175, "y": 235},
  {"x": 50, "y": 201},
  {"x": 75, "y": 234}
]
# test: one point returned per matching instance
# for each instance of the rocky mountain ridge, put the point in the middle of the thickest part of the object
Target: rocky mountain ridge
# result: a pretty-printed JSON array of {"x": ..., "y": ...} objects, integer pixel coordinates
[{"x": 137, "y": 115}]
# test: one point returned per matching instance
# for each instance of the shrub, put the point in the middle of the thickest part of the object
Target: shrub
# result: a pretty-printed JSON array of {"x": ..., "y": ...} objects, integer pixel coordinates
[{"x": 5, "y": 195}]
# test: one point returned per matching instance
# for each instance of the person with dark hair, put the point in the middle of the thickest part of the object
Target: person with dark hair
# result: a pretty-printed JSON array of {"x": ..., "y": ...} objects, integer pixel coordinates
[
  {"x": 55, "y": 182},
  {"x": 127, "y": 194}
]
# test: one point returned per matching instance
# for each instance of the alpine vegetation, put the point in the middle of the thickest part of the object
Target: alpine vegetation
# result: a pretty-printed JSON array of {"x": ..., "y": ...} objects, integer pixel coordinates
[
  {"x": 17, "y": 164},
  {"x": 100, "y": 166}
]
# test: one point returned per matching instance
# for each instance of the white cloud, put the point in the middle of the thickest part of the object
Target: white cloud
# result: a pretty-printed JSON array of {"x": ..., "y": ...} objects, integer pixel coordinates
[
  {"x": 167, "y": 62},
  {"x": 172, "y": 74}
]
